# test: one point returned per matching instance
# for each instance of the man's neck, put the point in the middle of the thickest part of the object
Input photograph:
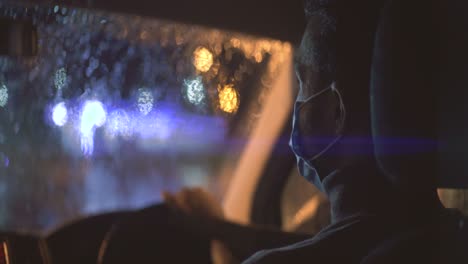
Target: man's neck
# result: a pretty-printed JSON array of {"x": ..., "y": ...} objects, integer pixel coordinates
[{"x": 363, "y": 189}]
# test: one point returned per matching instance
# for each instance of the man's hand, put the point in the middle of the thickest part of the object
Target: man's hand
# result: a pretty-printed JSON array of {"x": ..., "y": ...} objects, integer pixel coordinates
[
  {"x": 195, "y": 201},
  {"x": 200, "y": 203}
]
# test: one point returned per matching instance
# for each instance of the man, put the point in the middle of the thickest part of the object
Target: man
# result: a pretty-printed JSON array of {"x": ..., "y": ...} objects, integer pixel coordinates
[{"x": 379, "y": 215}]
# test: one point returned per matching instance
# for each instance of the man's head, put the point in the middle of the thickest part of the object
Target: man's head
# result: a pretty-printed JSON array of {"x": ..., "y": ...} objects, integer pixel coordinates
[
  {"x": 332, "y": 116},
  {"x": 315, "y": 60}
]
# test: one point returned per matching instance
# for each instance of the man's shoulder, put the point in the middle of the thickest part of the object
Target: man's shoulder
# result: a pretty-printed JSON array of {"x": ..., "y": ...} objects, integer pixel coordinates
[{"x": 322, "y": 246}]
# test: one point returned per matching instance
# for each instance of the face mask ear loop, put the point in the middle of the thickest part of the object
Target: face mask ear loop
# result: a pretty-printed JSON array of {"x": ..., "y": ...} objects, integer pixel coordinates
[
  {"x": 342, "y": 108},
  {"x": 313, "y": 96},
  {"x": 326, "y": 149}
]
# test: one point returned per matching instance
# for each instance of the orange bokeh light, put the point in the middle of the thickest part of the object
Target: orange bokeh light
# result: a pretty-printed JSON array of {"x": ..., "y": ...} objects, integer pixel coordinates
[
  {"x": 202, "y": 59},
  {"x": 228, "y": 99}
]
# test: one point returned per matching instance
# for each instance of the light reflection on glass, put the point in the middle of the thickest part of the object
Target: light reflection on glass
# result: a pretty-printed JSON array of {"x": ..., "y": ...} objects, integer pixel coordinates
[
  {"x": 92, "y": 116},
  {"x": 119, "y": 124},
  {"x": 235, "y": 42},
  {"x": 3, "y": 95},
  {"x": 144, "y": 35},
  {"x": 145, "y": 100},
  {"x": 60, "y": 114},
  {"x": 258, "y": 57},
  {"x": 155, "y": 127},
  {"x": 228, "y": 98},
  {"x": 195, "y": 91},
  {"x": 202, "y": 59},
  {"x": 4, "y": 160},
  {"x": 194, "y": 176}
]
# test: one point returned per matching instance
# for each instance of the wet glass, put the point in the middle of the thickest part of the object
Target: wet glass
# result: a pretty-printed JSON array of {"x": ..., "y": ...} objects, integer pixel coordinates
[{"x": 116, "y": 108}]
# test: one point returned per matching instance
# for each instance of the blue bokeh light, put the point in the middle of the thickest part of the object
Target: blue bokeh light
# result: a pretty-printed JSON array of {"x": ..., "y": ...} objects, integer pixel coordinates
[{"x": 60, "y": 114}]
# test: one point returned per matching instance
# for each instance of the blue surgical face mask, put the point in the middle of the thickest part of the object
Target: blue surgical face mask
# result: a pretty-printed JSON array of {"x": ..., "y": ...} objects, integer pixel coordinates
[{"x": 317, "y": 126}]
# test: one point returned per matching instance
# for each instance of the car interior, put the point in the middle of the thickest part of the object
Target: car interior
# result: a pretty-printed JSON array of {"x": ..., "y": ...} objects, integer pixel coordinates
[{"x": 105, "y": 104}]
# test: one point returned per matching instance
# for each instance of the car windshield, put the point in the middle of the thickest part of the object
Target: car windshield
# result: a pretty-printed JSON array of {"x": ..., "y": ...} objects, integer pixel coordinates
[{"x": 116, "y": 108}]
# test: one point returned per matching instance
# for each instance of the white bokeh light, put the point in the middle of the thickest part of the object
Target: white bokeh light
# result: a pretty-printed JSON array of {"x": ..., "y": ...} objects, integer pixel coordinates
[
  {"x": 60, "y": 78},
  {"x": 145, "y": 101},
  {"x": 194, "y": 90},
  {"x": 60, "y": 114},
  {"x": 3, "y": 95},
  {"x": 93, "y": 115}
]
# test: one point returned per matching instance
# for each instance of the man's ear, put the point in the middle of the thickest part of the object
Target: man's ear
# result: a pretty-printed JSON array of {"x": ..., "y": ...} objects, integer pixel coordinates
[{"x": 340, "y": 110}]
